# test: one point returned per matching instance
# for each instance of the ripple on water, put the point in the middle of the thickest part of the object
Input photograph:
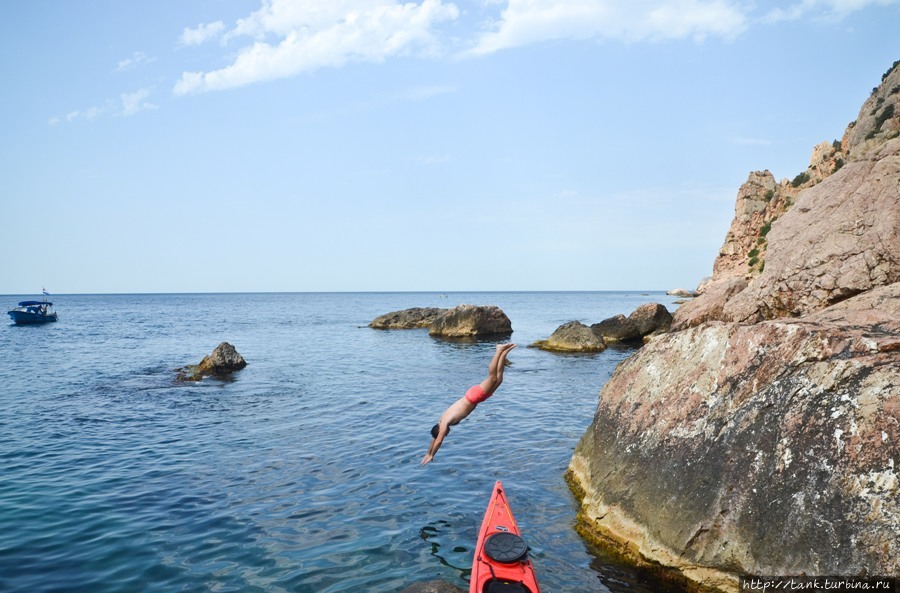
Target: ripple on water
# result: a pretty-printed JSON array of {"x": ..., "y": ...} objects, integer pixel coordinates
[{"x": 300, "y": 475}]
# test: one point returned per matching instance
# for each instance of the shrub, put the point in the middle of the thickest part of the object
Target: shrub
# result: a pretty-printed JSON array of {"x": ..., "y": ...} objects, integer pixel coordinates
[
  {"x": 761, "y": 240},
  {"x": 836, "y": 145},
  {"x": 753, "y": 253},
  {"x": 838, "y": 163},
  {"x": 800, "y": 179},
  {"x": 769, "y": 195},
  {"x": 765, "y": 229},
  {"x": 753, "y": 261}
]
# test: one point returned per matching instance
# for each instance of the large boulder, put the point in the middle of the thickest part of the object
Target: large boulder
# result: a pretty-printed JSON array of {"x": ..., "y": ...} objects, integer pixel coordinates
[
  {"x": 730, "y": 449},
  {"x": 471, "y": 321},
  {"x": 223, "y": 360},
  {"x": 572, "y": 337},
  {"x": 616, "y": 329},
  {"x": 415, "y": 318},
  {"x": 710, "y": 306},
  {"x": 651, "y": 318},
  {"x": 648, "y": 319}
]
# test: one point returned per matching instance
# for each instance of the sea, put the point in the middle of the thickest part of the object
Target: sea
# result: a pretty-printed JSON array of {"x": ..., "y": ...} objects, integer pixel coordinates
[{"x": 300, "y": 473}]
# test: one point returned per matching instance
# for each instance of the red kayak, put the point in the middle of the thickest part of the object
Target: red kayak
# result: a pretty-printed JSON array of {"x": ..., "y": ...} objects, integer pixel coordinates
[{"x": 501, "y": 563}]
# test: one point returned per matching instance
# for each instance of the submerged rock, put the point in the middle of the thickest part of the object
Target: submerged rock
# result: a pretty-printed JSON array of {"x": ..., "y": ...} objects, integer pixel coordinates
[
  {"x": 572, "y": 337},
  {"x": 433, "y": 587},
  {"x": 222, "y": 361},
  {"x": 471, "y": 321},
  {"x": 415, "y": 318}
]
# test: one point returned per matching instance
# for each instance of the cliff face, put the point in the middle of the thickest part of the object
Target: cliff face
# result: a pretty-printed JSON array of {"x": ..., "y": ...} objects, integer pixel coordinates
[
  {"x": 762, "y": 435},
  {"x": 797, "y": 247}
]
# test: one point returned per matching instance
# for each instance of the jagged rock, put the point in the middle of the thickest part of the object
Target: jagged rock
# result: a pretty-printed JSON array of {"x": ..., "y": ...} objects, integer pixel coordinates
[
  {"x": 711, "y": 306},
  {"x": 471, "y": 321},
  {"x": 762, "y": 449},
  {"x": 433, "y": 587},
  {"x": 879, "y": 118},
  {"x": 223, "y": 360},
  {"x": 841, "y": 238},
  {"x": 681, "y": 292},
  {"x": 616, "y": 329},
  {"x": 573, "y": 336},
  {"x": 822, "y": 241},
  {"x": 415, "y": 318}
]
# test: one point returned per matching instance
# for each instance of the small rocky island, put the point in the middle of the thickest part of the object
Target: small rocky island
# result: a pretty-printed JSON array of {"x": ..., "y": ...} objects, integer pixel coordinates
[
  {"x": 464, "y": 321},
  {"x": 223, "y": 361},
  {"x": 761, "y": 435},
  {"x": 646, "y": 321}
]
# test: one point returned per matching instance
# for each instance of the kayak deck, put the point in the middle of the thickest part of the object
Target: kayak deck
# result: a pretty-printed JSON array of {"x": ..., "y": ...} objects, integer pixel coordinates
[{"x": 501, "y": 563}]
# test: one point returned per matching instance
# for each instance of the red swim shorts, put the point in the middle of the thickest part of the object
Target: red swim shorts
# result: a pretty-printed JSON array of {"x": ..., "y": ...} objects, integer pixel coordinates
[{"x": 475, "y": 395}]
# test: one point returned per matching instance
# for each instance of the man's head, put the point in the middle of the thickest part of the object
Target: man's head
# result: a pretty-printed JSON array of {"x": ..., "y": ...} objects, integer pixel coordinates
[{"x": 436, "y": 429}]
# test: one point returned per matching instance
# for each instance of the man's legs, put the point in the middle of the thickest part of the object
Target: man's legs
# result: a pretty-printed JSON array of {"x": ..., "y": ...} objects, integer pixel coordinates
[{"x": 495, "y": 369}]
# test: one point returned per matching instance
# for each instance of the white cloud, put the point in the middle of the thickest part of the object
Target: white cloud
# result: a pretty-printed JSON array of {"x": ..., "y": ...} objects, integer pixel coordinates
[
  {"x": 294, "y": 36},
  {"x": 823, "y": 9},
  {"x": 202, "y": 34},
  {"x": 525, "y": 22},
  {"x": 133, "y": 103},
  {"x": 136, "y": 59}
]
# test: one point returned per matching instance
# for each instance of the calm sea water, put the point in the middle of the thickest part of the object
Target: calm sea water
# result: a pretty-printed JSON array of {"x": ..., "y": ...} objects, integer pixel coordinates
[{"x": 302, "y": 473}]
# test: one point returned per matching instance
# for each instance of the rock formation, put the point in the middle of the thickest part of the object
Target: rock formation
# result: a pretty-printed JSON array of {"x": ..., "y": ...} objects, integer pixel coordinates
[
  {"x": 762, "y": 434},
  {"x": 221, "y": 362},
  {"x": 471, "y": 321},
  {"x": 681, "y": 292},
  {"x": 415, "y": 318},
  {"x": 644, "y": 322},
  {"x": 827, "y": 235},
  {"x": 573, "y": 336}
]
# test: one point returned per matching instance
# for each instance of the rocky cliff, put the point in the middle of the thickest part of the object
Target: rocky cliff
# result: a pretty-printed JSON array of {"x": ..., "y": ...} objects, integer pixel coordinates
[
  {"x": 762, "y": 435},
  {"x": 798, "y": 246}
]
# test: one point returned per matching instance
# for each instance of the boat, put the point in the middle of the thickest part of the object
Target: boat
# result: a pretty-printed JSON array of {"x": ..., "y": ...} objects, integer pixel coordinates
[
  {"x": 32, "y": 312},
  {"x": 501, "y": 563}
]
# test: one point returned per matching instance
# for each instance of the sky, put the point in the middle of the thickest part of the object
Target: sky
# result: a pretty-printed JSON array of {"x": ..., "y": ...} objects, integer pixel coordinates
[{"x": 433, "y": 145}]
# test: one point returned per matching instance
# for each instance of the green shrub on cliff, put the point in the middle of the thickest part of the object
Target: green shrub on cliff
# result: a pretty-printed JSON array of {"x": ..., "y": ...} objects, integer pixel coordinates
[{"x": 800, "y": 179}]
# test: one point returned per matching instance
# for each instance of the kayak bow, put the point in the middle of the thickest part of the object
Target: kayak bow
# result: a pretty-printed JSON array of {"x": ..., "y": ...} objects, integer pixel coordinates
[{"x": 501, "y": 563}]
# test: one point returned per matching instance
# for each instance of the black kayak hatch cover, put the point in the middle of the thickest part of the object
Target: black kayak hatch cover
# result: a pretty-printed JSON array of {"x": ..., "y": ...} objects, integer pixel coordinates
[{"x": 506, "y": 548}]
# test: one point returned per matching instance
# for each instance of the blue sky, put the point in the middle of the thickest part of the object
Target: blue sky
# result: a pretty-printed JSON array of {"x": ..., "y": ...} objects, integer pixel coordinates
[{"x": 296, "y": 145}]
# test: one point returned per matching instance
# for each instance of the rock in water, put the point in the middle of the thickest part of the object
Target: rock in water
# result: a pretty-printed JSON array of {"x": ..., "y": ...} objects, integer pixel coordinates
[
  {"x": 651, "y": 318},
  {"x": 433, "y": 587},
  {"x": 222, "y": 361},
  {"x": 616, "y": 329},
  {"x": 471, "y": 321},
  {"x": 681, "y": 292},
  {"x": 572, "y": 337},
  {"x": 415, "y": 318}
]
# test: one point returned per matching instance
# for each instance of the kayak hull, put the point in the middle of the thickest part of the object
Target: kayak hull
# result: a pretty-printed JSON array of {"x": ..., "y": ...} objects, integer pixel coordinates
[{"x": 501, "y": 563}]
